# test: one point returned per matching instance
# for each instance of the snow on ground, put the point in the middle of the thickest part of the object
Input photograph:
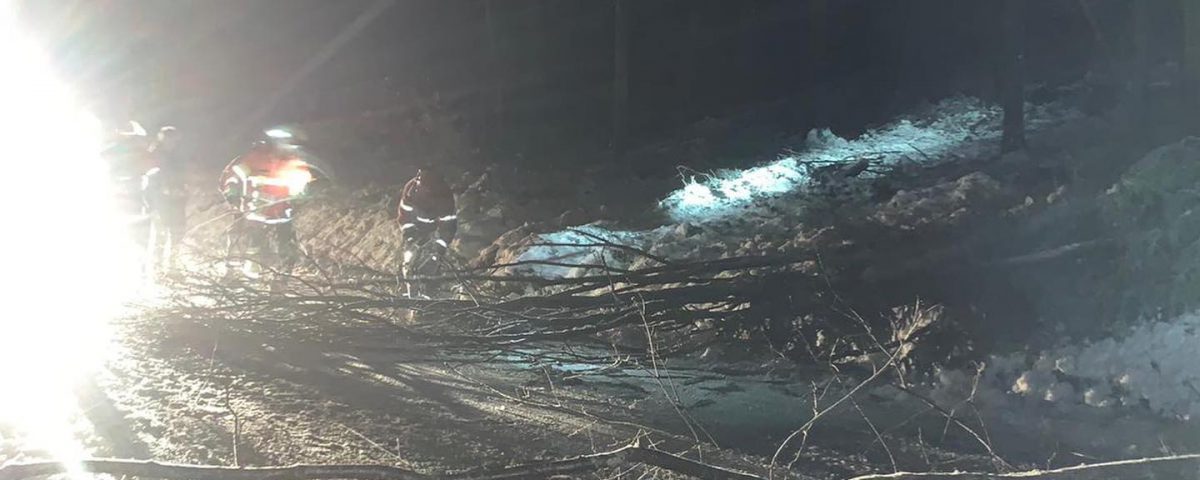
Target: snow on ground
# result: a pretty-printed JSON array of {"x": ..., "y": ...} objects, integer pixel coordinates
[
  {"x": 583, "y": 246},
  {"x": 1153, "y": 365},
  {"x": 753, "y": 210},
  {"x": 956, "y": 127}
]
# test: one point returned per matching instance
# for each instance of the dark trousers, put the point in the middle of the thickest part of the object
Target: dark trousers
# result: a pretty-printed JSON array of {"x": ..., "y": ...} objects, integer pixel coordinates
[
  {"x": 270, "y": 245},
  {"x": 168, "y": 224},
  {"x": 417, "y": 251}
]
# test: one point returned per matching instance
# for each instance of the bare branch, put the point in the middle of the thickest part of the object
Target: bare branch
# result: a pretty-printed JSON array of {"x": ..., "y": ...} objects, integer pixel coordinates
[
  {"x": 171, "y": 471},
  {"x": 1057, "y": 472}
]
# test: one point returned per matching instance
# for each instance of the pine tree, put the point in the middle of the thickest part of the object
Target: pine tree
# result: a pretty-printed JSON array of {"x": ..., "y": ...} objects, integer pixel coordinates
[{"x": 1012, "y": 78}]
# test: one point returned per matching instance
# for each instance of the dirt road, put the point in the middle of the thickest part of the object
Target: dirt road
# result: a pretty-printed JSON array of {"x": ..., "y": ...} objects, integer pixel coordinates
[{"x": 359, "y": 394}]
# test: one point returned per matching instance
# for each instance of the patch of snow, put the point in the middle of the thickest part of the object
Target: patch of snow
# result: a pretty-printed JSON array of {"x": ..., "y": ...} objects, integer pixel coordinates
[
  {"x": 959, "y": 126},
  {"x": 1156, "y": 365},
  {"x": 583, "y": 246},
  {"x": 752, "y": 211}
]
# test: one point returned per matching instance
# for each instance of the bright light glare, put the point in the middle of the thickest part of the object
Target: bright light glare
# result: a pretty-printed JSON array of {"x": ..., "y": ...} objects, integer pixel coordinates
[
  {"x": 66, "y": 260},
  {"x": 279, "y": 133},
  {"x": 135, "y": 128},
  {"x": 295, "y": 176}
]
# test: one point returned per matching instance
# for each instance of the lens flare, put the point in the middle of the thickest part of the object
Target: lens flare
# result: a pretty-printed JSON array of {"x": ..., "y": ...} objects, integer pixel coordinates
[
  {"x": 296, "y": 178},
  {"x": 66, "y": 258}
]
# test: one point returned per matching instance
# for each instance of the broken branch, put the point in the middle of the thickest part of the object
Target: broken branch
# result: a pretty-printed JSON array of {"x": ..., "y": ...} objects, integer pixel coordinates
[{"x": 172, "y": 471}]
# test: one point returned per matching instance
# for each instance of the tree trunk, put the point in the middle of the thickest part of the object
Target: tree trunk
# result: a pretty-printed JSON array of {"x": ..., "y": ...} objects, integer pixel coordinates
[
  {"x": 817, "y": 52},
  {"x": 1141, "y": 63},
  {"x": 818, "y": 13},
  {"x": 905, "y": 58},
  {"x": 1191, "y": 51},
  {"x": 1012, "y": 79},
  {"x": 494, "y": 98},
  {"x": 749, "y": 81},
  {"x": 620, "y": 108},
  {"x": 688, "y": 67}
]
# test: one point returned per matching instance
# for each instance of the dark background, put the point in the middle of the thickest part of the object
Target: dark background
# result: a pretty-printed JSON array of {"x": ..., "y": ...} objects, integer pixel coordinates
[{"x": 533, "y": 78}]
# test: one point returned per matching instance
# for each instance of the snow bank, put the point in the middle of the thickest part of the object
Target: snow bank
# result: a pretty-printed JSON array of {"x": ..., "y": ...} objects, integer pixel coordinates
[
  {"x": 753, "y": 211},
  {"x": 582, "y": 249},
  {"x": 956, "y": 127},
  {"x": 584, "y": 246},
  {"x": 1154, "y": 365}
]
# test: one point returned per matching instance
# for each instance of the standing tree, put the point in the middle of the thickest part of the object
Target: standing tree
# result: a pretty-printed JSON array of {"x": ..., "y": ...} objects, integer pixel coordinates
[
  {"x": 1191, "y": 51},
  {"x": 688, "y": 61},
  {"x": 495, "y": 69},
  {"x": 743, "y": 53},
  {"x": 1141, "y": 56},
  {"x": 620, "y": 89},
  {"x": 818, "y": 57},
  {"x": 1012, "y": 79},
  {"x": 493, "y": 104}
]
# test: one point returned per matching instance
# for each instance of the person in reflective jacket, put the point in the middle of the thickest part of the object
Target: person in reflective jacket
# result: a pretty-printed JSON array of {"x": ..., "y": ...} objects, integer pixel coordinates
[
  {"x": 165, "y": 195},
  {"x": 262, "y": 186},
  {"x": 427, "y": 217}
]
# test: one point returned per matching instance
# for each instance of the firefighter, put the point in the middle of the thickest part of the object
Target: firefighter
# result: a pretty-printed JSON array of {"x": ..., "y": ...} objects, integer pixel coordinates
[
  {"x": 166, "y": 196},
  {"x": 428, "y": 219},
  {"x": 262, "y": 186},
  {"x": 124, "y": 152}
]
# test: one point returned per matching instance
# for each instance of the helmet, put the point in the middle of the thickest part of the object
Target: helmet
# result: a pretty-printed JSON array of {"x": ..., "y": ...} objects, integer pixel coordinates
[
  {"x": 285, "y": 135},
  {"x": 166, "y": 139},
  {"x": 431, "y": 179},
  {"x": 167, "y": 132},
  {"x": 430, "y": 174},
  {"x": 125, "y": 139},
  {"x": 131, "y": 128}
]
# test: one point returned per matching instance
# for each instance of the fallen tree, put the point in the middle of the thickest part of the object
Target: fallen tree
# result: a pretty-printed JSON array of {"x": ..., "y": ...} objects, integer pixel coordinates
[
  {"x": 694, "y": 304},
  {"x": 632, "y": 454}
]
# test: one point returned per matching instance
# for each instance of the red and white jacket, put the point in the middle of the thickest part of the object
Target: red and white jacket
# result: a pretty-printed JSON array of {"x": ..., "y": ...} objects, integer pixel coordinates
[
  {"x": 263, "y": 183},
  {"x": 428, "y": 203}
]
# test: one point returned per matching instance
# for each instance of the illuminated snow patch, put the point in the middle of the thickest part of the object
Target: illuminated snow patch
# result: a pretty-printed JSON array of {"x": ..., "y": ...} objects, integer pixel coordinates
[
  {"x": 779, "y": 177},
  {"x": 958, "y": 126},
  {"x": 732, "y": 188},
  {"x": 1151, "y": 365},
  {"x": 581, "y": 250},
  {"x": 762, "y": 197},
  {"x": 696, "y": 194}
]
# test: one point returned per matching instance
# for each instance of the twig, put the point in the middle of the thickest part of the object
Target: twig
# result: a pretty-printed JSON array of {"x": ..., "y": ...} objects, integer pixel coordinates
[
  {"x": 374, "y": 443},
  {"x": 237, "y": 426},
  {"x": 608, "y": 243},
  {"x": 878, "y": 436},
  {"x": 1053, "y": 253},
  {"x": 1086, "y": 467},
  {"x": 951, "y": 418},
  {"x": 172, "y": 471},
  {"x": 673, "y": 396},
  {"x": 809, "y": 424}
]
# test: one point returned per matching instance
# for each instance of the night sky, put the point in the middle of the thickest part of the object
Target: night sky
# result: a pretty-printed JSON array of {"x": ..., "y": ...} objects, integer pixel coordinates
[{"x": 536, "y": 75}]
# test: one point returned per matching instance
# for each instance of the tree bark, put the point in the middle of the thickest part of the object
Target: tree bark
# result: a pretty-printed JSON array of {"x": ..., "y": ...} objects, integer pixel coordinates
[
  {"x": 494, "y": 99},
  {"x": 585, "y": 463},
  {"x": 688, "y": 68},
  {"x": 620, "y": 108},
  {"x": 1191, "y": 51},
  {"x": 817, "y": 52},
  {"x": 1141, "y": 64},
  {"x": 749, "y": 81},
  {"x": 1012, "y": 78}
]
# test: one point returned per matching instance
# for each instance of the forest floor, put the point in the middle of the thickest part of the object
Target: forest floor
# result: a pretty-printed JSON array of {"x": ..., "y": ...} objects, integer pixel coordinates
[{"x": 1003, "y": 242}]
